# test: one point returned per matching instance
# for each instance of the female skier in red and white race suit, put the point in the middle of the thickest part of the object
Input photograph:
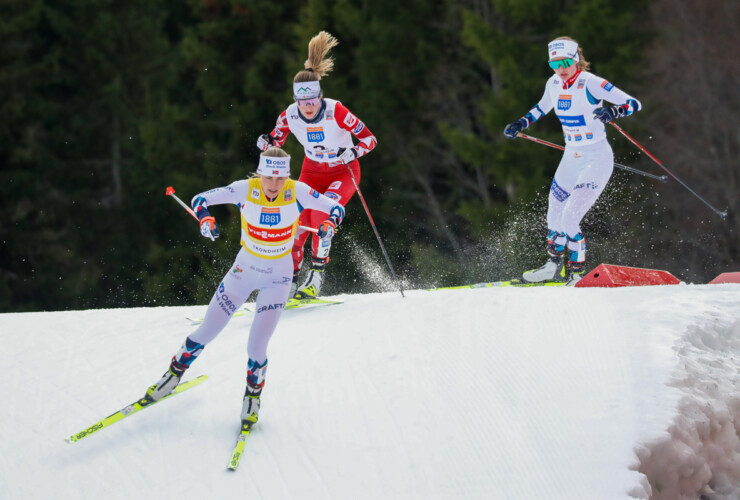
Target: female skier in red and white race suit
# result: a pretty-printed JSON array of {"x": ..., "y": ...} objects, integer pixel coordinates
[
  {"x": 588, "y": 160},
  {"x": 269, "y": 204},
  {"x": 325, "y": 128}
]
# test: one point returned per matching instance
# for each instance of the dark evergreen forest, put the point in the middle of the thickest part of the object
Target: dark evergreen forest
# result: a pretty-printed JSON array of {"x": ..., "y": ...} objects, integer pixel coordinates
[{"x": 105, "y": 103}]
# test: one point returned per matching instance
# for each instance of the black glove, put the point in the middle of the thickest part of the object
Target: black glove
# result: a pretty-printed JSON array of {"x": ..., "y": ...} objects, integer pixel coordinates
[
  {"x": 608, "y": 113},
  {"x": 512, "y": 129}
]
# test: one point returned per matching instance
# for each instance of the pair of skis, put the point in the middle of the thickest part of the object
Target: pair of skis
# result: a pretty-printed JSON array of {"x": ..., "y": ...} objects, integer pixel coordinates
[
  {"x": 291, "y": 304},
  {"x": 494, "y": 284},
  {"x": 144, "y": 403}
]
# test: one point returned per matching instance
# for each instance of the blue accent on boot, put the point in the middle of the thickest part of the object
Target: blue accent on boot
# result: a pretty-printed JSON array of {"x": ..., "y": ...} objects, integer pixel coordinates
[
  {"x": 555, "y": 249},
  {"x": 256, "y": 372},
  {"x": 192, "y": 351}
]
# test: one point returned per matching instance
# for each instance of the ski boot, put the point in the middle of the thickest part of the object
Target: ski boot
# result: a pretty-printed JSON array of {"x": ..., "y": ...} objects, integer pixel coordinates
[
  {"x": 312, "y": 286},
  {"x": 575, "y": 271},
  {"x": 553, "y": 270},
  {"x": 573, "y": 278},
  {"x": 167, "y": 383},
  {"x": 180, "y": 362},
  {"x": 251, "y": 402},
  {"x": 576, "y": 265}
]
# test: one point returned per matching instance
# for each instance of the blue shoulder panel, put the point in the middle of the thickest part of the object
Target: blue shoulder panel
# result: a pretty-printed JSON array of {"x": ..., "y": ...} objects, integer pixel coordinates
[{"x": 591, "y": 98}]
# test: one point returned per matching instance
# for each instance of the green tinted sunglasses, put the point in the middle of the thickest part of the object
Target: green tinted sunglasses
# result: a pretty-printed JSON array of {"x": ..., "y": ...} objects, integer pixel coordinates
[{"x": 563, "y": 63}]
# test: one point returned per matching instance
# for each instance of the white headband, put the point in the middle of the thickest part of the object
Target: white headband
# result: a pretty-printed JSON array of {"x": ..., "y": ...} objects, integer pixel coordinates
[
  {"x": 306, "y": 90},
  {"x": 271, "y": 166},
  {"x": 558, "y": 49}
]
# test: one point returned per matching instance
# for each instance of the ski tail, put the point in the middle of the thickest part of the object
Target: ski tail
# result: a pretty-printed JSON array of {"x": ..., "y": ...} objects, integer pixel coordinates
[
  {"x": 129, "y": 410},
  {"x": 236, "y": 455}
]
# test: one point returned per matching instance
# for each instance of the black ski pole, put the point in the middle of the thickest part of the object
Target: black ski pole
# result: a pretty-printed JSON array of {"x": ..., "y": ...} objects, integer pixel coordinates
[
  {"x": 661, "y": 178},
  {"x": 723, "y": 215}
]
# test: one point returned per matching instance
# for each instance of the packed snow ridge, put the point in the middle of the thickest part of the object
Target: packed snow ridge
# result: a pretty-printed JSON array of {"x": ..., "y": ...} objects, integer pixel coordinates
[{"x": 495, "y": 393}]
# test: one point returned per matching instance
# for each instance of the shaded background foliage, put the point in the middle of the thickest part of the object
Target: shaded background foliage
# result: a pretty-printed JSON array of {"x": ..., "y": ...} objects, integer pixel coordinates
[{"x": 105, "y": 103}]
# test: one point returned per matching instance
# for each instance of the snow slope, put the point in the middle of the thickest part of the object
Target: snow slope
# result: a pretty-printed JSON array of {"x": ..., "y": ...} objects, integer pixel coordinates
[{"x": 537, "y": 393}]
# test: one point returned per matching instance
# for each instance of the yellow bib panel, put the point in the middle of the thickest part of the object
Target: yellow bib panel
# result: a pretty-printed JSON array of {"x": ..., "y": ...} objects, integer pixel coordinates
[{"x": 268, "y": 227}]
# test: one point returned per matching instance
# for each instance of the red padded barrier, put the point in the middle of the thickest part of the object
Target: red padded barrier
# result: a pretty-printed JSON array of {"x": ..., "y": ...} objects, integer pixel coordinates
[
  {"x": 726, "y": 278},
  {"x": 607, "y": 275}
]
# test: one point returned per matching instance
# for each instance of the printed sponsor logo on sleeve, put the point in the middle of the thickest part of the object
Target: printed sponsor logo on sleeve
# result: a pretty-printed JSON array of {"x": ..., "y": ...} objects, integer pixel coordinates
[
  {"x": 335, "y": 185},
  {"x": 358, "y": 128},
  {"x": 314, "y": 193},
  {"x": 255, "y": 193},
  {"x": 607, "y": 86},
  {"x": 350, "y": 120},
  {"x": 332, "y": 195}
]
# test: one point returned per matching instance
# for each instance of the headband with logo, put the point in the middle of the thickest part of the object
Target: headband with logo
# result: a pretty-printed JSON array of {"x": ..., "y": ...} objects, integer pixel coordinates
[
  {"x": 306, "y": 90},
  {"x": 272, "y": 166},
  {"x": 559, "y": 49}
]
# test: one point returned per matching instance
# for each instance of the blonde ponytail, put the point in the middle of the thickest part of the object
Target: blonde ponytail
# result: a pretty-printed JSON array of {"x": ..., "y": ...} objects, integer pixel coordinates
[{"x": 318, "y": 63}]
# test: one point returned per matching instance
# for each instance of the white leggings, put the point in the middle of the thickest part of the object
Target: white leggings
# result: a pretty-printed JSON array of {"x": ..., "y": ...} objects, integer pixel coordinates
[
  {"x": 579, "y": 180},
  {"x": 248, "y": 273}
]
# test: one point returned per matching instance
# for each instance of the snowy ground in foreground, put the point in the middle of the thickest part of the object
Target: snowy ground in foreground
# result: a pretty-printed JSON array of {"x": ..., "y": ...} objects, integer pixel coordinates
[{"x": 536, "y": 393}]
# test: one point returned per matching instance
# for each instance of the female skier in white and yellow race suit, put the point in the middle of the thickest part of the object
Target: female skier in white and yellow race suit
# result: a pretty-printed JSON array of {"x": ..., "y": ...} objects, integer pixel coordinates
[{"x": 270, "y": 204}]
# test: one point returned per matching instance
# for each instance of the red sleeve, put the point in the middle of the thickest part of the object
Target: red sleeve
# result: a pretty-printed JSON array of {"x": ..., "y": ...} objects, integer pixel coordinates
[
  {"x": 281, "y": 131},
  {"x": 346, "y": 120}
]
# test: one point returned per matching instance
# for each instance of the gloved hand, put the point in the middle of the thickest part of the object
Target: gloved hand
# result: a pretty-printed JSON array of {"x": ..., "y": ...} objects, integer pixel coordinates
[
  {"x": 265, "y": 141},
  {"x": 607, "y": 113},
  {"x": 347, "y": 155},
  {"x": 512, "y": 129},
  {"x": 327, "y": 229},
  {"x": 337, "y": 214},
  {"x": 208, "y": 227}
]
